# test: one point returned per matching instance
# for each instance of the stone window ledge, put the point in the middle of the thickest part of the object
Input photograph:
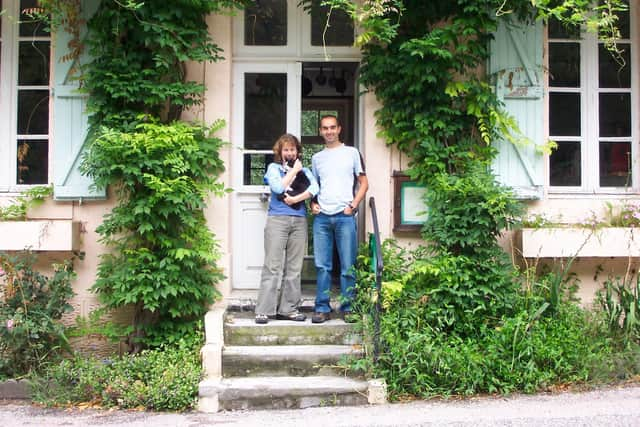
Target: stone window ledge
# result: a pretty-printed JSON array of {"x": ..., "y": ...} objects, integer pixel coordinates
[{"x": 39, "y": 235}]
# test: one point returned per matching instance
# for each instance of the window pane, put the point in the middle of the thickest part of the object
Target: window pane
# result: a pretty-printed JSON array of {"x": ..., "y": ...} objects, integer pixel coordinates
[
  {"x": 624, "y": 24},
  {"x": 33, "y": 162},
  {"x": 255, "y": 166},
  {"x": 34, "y": 63},
  {"x": 564, "y": 165},
  {"x": 564, "y": 114},
  {"x": 614, "y": 71},
  {"x": 310, "y": 123},
  {"x": 564, "y": 64},
  {"x": 615, "y": 164},
  {"x": 335, "y": 29},
  {"x": 33, "y": 112},
  {"x": 30, "y": 27},
  {"x": 265, "y": 23},
  {"x": 558, "y": 30},
  {"x": 265, "y": 109},
  {"x": 615, "y": 114}
]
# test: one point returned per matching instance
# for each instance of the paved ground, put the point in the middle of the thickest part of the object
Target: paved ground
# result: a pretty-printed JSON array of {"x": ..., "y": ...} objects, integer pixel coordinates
[{"x": 607, "y": 407}]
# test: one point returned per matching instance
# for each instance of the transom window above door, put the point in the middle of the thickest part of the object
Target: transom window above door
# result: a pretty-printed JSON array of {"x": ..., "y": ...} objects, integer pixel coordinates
[
  {"x": 284, "y": 28},
  {"x": 593, "y": 110}
]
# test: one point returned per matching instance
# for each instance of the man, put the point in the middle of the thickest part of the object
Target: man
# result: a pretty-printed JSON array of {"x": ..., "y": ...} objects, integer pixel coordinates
[{"x": 339, "y": 170}]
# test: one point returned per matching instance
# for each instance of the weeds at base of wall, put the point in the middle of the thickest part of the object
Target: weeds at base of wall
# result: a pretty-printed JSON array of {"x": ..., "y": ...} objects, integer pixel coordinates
[
  {"x": 163, "y": 379},
  {"x": 545, "y": 342}
]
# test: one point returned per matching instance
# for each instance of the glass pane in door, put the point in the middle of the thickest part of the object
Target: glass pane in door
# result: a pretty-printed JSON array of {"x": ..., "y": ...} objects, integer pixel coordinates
[
  {"x": 265, "y": 109},
  {"x": 265, "y": 120}
]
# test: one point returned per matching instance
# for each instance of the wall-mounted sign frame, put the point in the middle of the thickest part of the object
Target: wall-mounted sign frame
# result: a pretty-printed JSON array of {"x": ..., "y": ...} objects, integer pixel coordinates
[{"x": 409, "y": 210}]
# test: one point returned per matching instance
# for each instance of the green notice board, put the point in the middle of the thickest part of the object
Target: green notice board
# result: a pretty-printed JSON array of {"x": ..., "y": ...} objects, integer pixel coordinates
[{"x": 410, "y": 212}]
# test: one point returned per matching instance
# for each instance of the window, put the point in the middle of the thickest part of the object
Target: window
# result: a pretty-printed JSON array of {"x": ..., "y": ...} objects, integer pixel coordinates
[
  {"x": 592, "y": 111},
  {"x": 24, "y": 97},
  {"x": 283, "y": 28}
]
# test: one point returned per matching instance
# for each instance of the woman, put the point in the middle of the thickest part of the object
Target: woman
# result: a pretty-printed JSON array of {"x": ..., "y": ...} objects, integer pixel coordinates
[{"x": 285, "y": 234}]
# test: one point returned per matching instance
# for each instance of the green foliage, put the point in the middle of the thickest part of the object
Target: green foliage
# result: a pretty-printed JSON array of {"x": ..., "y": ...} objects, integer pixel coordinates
[
  {"x": 165, "y": 378},
  {"x": 520, "y": 354},
  {"x": 31, "y": 308},
  {"x": 620, "y": 301},
  {"x": 458, "y": 294},
  {"x": 139, "y": 53},
  {"x": 29, "y": 198},
  {"x": 626, "y": 214},
  {"x": 436, "y": 341},
  {"x": 95, "y": 324},
  {"x": 164, "y": 258},
  {"x": 468, "y": 212}
]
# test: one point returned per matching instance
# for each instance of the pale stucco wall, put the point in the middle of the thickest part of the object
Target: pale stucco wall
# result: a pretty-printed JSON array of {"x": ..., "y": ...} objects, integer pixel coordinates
[{"x": 217, "y": 78}]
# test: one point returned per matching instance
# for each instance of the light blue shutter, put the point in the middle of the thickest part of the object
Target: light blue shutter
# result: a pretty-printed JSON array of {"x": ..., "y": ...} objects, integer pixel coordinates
[
  {"x": 70, "y": 120},
  {"x": 516, "y": 66}
]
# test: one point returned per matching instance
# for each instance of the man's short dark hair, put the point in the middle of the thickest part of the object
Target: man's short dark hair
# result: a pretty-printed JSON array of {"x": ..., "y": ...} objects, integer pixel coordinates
[{"x": 332, "y": 116}]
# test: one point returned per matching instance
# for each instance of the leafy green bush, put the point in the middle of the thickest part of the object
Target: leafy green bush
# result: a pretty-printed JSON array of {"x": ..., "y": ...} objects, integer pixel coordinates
[
  {"x": 468, "y": 212},
  {"x": 165, "y": 378},
  {"x": 456, "y": 293},
  {"x": 444, "y": 332},
  {"x": 164, "y": 255},
  {"x": 31, "y": 308},
  {"x": 520, "y": 354}
]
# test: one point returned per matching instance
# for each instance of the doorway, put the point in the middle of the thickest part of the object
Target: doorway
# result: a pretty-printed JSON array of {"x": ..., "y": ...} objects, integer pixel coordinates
[{"x": 271, "y": 99}]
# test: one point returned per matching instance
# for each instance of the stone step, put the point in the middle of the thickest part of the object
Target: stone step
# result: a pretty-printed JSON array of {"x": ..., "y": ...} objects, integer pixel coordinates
[
  {"x": 286, "y": 360},
  {"x": 244, "y": 301},
  {"x": 284, "y": 392},
  {"x": 244, "y": 331}
]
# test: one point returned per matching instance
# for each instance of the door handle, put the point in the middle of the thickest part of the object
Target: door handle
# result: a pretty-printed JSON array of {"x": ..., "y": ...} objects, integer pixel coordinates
[{"x": 264, "y": 197}]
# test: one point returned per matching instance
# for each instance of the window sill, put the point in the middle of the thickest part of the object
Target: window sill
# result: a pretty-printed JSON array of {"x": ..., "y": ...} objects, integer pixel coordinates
[
  {"x": 567, "y": 242},
  {"x": 44, "y": 235}
]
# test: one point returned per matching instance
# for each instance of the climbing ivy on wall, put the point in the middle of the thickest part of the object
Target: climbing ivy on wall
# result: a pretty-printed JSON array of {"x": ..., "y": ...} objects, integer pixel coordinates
[
  {"x": 424, "y": 61},
  {"x": 162, "y": 256}
]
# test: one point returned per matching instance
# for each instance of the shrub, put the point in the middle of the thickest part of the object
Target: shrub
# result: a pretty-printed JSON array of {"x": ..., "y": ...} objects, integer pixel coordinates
[
  {"x": 444, "y": 332},
  {"x": 165, "y": 378},
  {"x": 521, "y": 353},
  {"x": 164, "y": 256},
  {"x": 31, "y": 307},
  {"x": 619, "y": 299},
  {"x": 468, "y": 212}
]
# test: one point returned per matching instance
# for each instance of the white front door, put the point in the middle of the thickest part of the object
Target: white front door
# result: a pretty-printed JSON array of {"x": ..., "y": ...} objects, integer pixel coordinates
[{"x": 267, "y": 103}]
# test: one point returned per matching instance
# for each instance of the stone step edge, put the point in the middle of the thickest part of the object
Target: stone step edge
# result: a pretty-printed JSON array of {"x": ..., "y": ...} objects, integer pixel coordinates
[
  {"x": 249, "y": 322},
  {"x": 210, "y": 389},
  {"x": 270, "y": 352},
  {"x": 274, "y": 387}
]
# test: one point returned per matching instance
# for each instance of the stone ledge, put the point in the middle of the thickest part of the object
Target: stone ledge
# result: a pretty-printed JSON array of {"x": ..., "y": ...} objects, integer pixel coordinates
[
  {"x": 41, "y": 235},
  {"x": 15, "y": 389},
  {"x": 567, "y": 242}
]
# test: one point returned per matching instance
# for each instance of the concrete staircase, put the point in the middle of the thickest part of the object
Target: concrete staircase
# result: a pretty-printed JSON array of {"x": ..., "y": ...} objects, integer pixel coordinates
[{"x": 282, "y": 364}]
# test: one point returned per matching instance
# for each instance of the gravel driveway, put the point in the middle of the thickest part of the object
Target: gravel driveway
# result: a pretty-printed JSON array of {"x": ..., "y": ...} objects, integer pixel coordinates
[{"x": 619, "y": 406}]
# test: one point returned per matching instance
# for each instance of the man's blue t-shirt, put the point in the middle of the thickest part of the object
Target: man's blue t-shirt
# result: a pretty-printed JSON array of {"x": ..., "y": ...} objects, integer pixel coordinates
[{"x": 336, "y": 170}]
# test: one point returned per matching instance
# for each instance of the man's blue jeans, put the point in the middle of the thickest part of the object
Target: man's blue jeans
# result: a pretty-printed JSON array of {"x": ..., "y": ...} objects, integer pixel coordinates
[{"x": 339, "y": 229}]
